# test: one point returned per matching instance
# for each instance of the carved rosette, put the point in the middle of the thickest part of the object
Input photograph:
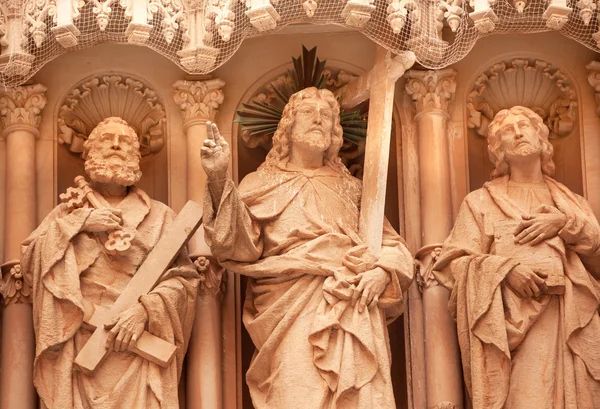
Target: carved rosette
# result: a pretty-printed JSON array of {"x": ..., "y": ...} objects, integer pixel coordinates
[
  {"x": 426, "y": 258},
  {"x": 103, "y": 96},
  {"x": 199, "y": 101},
  {"x": 16, "y": 286},
  {"x": 213, "y": 279},
  {"x": 431, "y": 90},
  {"x": 22, "y": 106},
  {"x": 534, "y": 84}
]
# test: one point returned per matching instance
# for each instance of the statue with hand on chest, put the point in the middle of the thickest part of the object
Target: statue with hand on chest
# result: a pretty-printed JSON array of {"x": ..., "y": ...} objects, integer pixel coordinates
[
  {"x": 318, "y": 300},
  {"x": 521, "y": 265}
]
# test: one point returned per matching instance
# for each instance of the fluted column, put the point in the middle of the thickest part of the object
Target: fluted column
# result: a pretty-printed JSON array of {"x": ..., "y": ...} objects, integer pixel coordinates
[
  {"x": 20, "y": 113},
  {"x": 432, "y": 92},
  {"x": 199, "y": 102}
]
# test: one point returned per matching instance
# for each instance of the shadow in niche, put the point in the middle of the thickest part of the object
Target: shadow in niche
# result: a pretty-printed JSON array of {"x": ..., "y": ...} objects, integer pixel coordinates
[{"x": 248, "y": 161}]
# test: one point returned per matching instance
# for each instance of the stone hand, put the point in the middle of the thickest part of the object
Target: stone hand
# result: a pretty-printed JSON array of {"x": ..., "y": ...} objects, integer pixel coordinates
[
  {"x": 370, "y": 285},
  {"x": 215, "y": 154},
  {"x": 526, "y": 282},
  {"x": 101, "y": 220},
  {"x": 536, "y": 228},
  {"x": 126, "y": 328}
]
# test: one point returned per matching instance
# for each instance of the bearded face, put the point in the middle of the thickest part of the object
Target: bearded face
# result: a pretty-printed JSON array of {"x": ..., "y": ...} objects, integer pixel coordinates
[{"x": 113, "y": 156}]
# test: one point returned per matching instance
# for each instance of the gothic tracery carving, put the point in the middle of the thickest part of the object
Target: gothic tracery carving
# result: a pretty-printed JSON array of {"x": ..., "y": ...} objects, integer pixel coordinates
[
  {"x": 104, "y": 96},
  {"x": 535, "y": 84}
]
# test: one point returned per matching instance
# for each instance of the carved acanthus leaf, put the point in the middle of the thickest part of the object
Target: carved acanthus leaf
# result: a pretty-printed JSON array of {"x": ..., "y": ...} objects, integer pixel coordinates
[
  {"x": 36, "y": 13},
  {"x": 213, "y": 279},
  {"x": 534, "y": 84},
  {"x": 16, "y": 284},
  {"x": 22, "y": 105},
  {"x": 172, "y": 12},
  {"x": 399, "y": 11},
  {"x": 431, "y": 90},
  {"x": 199, "y": 100},
  {"x": 103, "y": 10},
  {"x": 219, "y": 14},
  {"x": 93, "y": 100}
]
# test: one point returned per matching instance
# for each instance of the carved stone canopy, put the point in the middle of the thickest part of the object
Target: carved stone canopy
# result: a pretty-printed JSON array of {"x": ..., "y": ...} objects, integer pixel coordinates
[
  {"x": 535, "y": 84},
  {"x": 102, "y": 96}
]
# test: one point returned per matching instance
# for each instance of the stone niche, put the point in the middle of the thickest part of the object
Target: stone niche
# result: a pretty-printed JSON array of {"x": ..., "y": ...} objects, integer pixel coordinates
[
  {"x": 540, "y": 86},
  {"x": 113, "y": 94}
]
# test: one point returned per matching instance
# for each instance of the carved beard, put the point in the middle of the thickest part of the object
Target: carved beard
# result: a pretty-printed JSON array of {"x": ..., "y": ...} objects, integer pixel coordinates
[{"x": 121, "y": 170}]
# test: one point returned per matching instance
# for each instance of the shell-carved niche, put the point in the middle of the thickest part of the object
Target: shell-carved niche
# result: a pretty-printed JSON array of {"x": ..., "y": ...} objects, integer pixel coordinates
[
  {"x": 103, "y": 96},
  {"x": 531, "y": 83}
]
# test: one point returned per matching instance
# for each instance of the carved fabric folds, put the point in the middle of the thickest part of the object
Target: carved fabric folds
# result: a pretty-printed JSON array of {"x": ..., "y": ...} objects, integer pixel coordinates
[
  {"x": 67, "y": 266},
  {"x": 295, "y": 234},
  {"x": 516, "y": 353}
]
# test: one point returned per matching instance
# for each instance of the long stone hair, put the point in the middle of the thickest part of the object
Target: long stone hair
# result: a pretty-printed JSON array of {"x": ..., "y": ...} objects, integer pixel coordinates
[
  {"x": 282, "y": 140},
  {"x": 497, "y": 156}
]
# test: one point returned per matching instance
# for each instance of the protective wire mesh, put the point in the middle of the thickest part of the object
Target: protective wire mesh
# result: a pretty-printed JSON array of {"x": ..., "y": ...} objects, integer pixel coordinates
[{"x": 421, "y": 26}]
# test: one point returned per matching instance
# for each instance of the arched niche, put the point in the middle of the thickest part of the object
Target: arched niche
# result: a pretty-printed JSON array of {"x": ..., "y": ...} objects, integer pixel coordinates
[
  {"x": 102, "y": 95},
  {"x": 540, "y": 86},
  {"x": 247, "y": 158}
]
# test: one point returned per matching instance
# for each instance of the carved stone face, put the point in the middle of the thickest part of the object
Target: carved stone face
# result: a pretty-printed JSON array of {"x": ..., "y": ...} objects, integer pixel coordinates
[
  {"x": 113, "y": 155},
  {"x": 313, "y": 125},
  {"x": 519, "y": 138}
]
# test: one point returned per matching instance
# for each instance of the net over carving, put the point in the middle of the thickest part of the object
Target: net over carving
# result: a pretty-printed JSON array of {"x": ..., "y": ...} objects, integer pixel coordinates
[{"x": 201, "y": 35}]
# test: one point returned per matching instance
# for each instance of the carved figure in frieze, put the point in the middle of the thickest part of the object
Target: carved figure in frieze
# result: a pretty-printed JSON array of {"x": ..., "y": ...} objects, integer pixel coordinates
[
  {"x": 83, "y": 259},
  {"x": 318, "y": 300},
  {"x": 522, "y": 267}
]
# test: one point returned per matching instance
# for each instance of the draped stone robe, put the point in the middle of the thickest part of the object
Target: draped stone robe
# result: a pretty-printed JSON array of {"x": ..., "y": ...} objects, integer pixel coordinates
[
  {"x": 535, "y": 353},
  {"x": 70, "y": 267},
  {"x": 295, "y": 234}
]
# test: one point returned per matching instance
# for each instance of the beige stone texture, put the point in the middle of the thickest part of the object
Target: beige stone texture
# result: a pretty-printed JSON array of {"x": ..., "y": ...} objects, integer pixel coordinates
[
  {"x": 521, "y": 265},
  {"x": 318, "y": 319}
]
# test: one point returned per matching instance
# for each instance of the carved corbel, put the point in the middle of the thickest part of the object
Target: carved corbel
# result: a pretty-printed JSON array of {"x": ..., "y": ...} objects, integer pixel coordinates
[
  {"x": 198, "y": 55},
  {"x": 358, "y": 12},
  {"x": 213, "y": 279},
  {"x": 65, "y": 31},
  {"x": 426, "y": 258},
  {"x": 557, "y": 14},
  {"x": 399, "y": 11},
  {"x": 262, "y": 14},
  {"x": 431, "y": 90},
  {"x": 62, "y": 14},
  {"x": 22, "y": 107},
  {"x": 199, "y": 101},
  {"x": 15, "y": 61},
  {"x": 219, "y": 14},
  {"x": 16, "y": 286},
  {"x": 483, "y": 16}
]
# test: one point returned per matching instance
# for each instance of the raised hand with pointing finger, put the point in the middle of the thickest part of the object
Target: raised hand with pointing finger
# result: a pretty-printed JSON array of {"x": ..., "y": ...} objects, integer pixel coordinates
[{"x": 215, "y": 154}]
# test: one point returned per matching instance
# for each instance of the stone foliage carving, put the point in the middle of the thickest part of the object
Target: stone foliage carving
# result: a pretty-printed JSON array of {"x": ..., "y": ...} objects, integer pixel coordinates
[
  {"x": 318, "y": 297},
  {"x": 523, "y": 274},
  {"x": 22, "y": 105},
  {"x": 219, "y": 13},
  {"x": 112, "y": 95},
  {"x": 426, "y": 258},
  {"x": 199, "y": 100},
  {"x": 16, "y": 287},
  {"x": 431, "y": 90},
  {"x": 594, "y": 80},
  {"x": 130, "y": 312},
  {"x": 399, "y": 11},
  {"x": 535, "y": 84},
  {"x": 212, "y": 277},
  {"x": 172, "y": 12}
]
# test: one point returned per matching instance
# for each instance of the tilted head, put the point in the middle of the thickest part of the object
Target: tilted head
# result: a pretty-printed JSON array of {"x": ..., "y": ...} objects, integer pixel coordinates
[
  {"x": 516, "y": 134},
  {"x": 310, "y": 120},
  {"x": 112, "y": 153}
]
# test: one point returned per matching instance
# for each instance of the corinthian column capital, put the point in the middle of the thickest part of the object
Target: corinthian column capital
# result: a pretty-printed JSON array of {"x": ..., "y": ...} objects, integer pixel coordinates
[
  {"x": 16, "y": 287},
  {"x": 22, "y": 107},
  {"x": 431, "y": 90},
  {"x": 199, "y": 101}
]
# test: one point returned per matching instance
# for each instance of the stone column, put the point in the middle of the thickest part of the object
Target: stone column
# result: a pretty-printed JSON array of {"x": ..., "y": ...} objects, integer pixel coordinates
[
  {"x": 432, "y": 92},
  {"x": 20, "y": 113},
  {"x": 199, "y": 102}
]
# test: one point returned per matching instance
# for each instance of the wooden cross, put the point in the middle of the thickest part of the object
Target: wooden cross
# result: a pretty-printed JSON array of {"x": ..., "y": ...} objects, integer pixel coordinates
[
  {"x": 147, "y": 276},
  {"x": 377, "y": 86}
]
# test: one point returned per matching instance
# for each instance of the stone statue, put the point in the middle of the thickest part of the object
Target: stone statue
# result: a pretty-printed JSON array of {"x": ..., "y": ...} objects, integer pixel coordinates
[
  {"x": 318, "y": 299},
  {"x": 78, "y": 268},
  {"x": 522, "y": 267}
]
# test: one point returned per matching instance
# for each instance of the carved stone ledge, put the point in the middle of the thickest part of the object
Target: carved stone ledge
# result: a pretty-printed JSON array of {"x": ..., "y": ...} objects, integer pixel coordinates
[
  {"x": 213, "y": 280},
  {"x": 534, "y": 84},
  {"x": 103, "y": 96},
  {"x": 16, "y": 286},
  {"x": 431, "y": 90},
  {"x": 22, "y": 106},
  {"x": 426, "y": 258},
  {"x": 199, "y": 101}
]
